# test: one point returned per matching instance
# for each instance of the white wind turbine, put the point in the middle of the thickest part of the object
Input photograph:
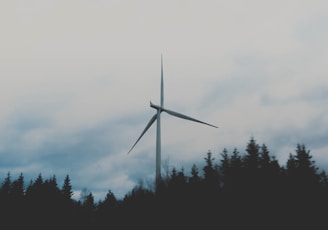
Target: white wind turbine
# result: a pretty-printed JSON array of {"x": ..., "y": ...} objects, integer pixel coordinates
[{"x": 157, "y": 116}]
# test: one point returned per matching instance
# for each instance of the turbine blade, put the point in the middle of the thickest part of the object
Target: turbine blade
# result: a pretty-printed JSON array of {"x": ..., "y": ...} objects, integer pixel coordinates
[
  {"x": 145, "y": 130},
  {"x": 162, "y": 83},
  {"x": 186, "y": 117}
]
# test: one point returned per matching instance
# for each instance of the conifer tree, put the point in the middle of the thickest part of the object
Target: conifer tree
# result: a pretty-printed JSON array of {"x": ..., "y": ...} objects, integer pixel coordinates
[
  {"x": 18, "y": 187},
  {"x": 6, "y": 186},
  {"x": 303, "y": 188},
  {"x": 66, "y": 189},
  {"x": 211, "y": 181},
  {"x": 194, "y": 186},
  {"x": 301, "y": 168},
  {"x": 89, "y": 202},
  {"x": 194, "y": 178},
  {"x": 110, "y": 199},
  {"x": 251, "y": 159},
  {"x": 225, "y": 168},
  {"x": 264, "y": 157},
  {"x": 236, "y": 160},
  {"x": 251, "y": 162},
  {"x": 6, "y": 209}
]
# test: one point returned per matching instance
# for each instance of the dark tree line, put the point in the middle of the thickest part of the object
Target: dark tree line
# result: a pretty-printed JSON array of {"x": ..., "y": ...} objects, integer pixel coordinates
[{"x": 248, "y": 190}]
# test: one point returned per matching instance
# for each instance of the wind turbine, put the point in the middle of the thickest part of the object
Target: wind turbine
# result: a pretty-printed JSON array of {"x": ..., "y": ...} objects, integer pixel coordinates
[{"x": 157, "y": 116}]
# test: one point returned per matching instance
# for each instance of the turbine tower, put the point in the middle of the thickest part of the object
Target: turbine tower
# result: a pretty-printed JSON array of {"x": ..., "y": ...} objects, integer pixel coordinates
[{"x": 157, "y": 116}]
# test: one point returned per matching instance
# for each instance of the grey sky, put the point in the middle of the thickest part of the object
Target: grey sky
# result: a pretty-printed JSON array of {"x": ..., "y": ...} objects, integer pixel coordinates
[{"x": 77, "y": 77}]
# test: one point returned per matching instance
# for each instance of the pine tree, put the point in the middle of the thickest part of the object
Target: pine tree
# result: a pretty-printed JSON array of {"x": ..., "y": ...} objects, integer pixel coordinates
[
  {"x": 237, "y": 174},
  {"x": 301, "y": 168},
  {"x": 110, "y": 199},
  {"x": 6, "y": 186},
  {"x": 18, "y": 187},
  {"x": 251, "y": 159},
  {"x": 194, "y": 179},
  {"x": 66, "y": 190},
  {"x": 225, "y": 168},
  {"x": 211, "y": 179}
]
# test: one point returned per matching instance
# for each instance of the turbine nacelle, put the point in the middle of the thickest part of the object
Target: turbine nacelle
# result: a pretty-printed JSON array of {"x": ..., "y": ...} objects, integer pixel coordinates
[{"x": 156, "y": 107}]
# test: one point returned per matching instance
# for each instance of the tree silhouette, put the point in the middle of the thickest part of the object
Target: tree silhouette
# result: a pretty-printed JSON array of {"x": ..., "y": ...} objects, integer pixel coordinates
[
  {"x": 66, "y": 190},
  {"x": 17, "y": 188},
  {"x": 6, "y": 186},
  {"x": 211, "y": 174},
  {"x": 236, "y": 191}
]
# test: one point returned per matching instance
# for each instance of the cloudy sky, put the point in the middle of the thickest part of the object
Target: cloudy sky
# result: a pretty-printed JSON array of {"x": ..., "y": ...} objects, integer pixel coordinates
[{"x": 77, "y": 77}]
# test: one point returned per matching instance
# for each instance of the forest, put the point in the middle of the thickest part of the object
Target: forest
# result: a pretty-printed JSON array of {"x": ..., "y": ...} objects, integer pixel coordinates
[{"x": 239, "y": 190}]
